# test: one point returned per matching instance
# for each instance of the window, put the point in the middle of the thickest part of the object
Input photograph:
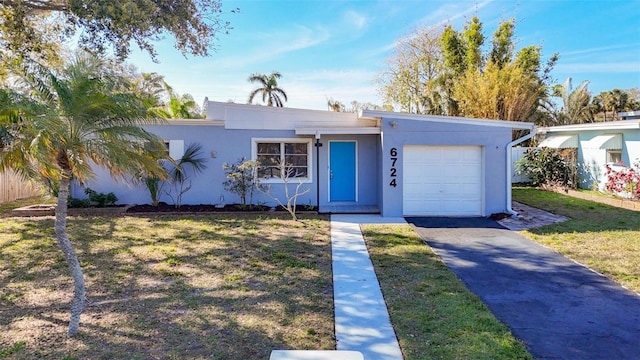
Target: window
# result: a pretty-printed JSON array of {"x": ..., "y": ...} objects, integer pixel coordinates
[
  {"x": 293, "y": 154},
  {"x": 614, "y": 156}
]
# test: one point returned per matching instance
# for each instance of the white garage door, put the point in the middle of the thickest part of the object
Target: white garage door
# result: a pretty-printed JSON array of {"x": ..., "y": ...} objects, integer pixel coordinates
[{"x": 442, "y": 180}]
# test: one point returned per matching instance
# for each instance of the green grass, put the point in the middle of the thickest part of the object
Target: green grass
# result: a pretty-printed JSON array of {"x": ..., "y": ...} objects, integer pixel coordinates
[
  {"x": 603, "y": 237},
  {"x": 5, "y": 208},
  {"x": 434, "y": 315},
  {"x": 170, "y": 287}
]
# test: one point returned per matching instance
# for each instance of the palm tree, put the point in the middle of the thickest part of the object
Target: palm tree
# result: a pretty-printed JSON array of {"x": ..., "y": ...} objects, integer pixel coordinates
[
  {"x": 576, "y": 102},
  {"x": 178, "y": 106},
  {"x": 79, "y": 117},
  {"x": 271, "y": 93}
]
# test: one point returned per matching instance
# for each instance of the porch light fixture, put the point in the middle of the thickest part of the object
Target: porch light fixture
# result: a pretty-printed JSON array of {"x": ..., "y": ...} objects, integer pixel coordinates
[{"x": 393, "y": 123}]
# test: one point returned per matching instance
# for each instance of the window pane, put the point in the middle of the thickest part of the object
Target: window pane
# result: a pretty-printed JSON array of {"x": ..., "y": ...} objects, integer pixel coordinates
[
  {"x": 295, "y": 148},
  {"x": 268, "y": 148},
  {"x": 298, "y": 172},
  {"x": 268, "y": 160},
  {"x": 269, "y": 172},
  {"x": 614, "y": 156},
  {"x": 296, "y": 160}
]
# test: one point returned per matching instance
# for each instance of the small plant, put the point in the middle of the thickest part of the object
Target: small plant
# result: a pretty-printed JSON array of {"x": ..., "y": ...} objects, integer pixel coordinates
[
  {"x": 192, "y": 160},
  {"x": 100, "y": 199},
  {"x": 13, "y": 349},
  {"x": 550, "y": 167},
  {"x": 95, "y": 199},
  {"x": 241, "y": 179},
  {"x": 625, "y": 181},
  {"x": 288, "y": 173}
]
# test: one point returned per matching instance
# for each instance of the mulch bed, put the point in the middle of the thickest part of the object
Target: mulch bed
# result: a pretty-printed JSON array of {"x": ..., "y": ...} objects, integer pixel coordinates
[{"x": 164, "y": 208}]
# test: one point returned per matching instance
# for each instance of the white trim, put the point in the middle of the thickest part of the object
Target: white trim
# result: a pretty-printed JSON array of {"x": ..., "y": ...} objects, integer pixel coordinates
[
  {"x": 329, "y": 171},
  {"x": 196, "y": 122},
  {"x": 254, "y": 156},
  {"x": 339, "y": 131},
  {"x": 376, "y": 114},
  {"x": 608, "y": 125}
]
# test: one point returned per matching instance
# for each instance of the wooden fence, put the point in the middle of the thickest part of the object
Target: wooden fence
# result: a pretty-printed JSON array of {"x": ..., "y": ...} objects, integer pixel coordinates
[{"x": 12, "y": 187}]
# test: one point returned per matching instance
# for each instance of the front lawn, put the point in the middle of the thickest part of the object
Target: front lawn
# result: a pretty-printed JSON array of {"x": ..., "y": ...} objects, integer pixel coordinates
[
  {"x": 602, "y": 237},
  {"x": 434, "y": 315},
  {"x": 168, "y": 287}
]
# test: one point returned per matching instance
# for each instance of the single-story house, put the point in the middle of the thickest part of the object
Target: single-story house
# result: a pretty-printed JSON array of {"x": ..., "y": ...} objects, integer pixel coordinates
[
  {"x": 391, "y": 163},
  {"x": 597, "y": 144}
]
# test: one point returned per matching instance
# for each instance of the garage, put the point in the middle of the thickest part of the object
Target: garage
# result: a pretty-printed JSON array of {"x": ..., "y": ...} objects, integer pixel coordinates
[{"x": 442, "y": 180}]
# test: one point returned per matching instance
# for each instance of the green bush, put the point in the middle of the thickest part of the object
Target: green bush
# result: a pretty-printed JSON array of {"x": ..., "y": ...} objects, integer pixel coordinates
[
  {"x": 95, "y": 199},
  {"x": 241, "y": 179},
  {"x": 547, "y": 166}
]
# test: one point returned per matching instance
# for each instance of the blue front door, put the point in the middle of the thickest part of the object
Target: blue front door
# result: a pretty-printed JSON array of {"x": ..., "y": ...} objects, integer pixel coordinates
[{"x": 342, "y": 171}]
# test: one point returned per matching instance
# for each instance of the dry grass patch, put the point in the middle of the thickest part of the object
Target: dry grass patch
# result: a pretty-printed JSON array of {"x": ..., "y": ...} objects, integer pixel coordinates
[
  {"x": 219, "y": 286},
  {"x": 603, "y": 237}
]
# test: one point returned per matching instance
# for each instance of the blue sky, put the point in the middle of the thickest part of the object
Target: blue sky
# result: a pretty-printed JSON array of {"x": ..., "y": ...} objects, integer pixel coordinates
[{"x": 336, "y": 49}]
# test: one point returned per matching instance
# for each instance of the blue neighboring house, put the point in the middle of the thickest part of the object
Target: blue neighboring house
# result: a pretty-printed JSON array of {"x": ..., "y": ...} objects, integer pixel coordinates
[
  {"x": 597, "y": 144},
  {"x": 396, "y": 164}
]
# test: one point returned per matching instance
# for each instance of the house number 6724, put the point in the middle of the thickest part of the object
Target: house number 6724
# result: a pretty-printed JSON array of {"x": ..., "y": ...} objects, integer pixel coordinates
[{"x": 394, "y": 158}]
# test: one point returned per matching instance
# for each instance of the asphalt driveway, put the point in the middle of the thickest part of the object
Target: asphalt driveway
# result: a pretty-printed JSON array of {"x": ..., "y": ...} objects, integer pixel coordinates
[{"x": 558, "y": 308}]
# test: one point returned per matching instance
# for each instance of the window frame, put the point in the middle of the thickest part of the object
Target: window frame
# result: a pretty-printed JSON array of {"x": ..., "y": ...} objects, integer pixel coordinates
[
  {"x": 614, "y": 151},
  {"x": 282, "y": 142}
]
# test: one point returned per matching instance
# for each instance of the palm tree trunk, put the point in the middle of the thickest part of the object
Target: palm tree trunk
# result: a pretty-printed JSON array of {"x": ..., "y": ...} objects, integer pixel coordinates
[{"x": 77, "y": 305}]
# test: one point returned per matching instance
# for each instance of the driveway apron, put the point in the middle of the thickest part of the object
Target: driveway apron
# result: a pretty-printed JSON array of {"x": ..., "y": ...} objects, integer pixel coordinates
[{"x": 557, "y": 307}]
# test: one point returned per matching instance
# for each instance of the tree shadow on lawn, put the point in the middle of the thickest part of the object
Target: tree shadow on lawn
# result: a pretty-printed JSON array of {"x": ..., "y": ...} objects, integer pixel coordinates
[{"x": 182, "y": 286}]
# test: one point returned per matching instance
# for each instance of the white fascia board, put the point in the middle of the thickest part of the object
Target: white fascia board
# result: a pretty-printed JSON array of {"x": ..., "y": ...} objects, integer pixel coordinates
[
  {"x": 446, "y": 119},
  {"x": 197, "y": 122},
  {"x": 607, "y": 125},
  {"x": 339, "y": 131},
  {"x": 257, "y": 117}
]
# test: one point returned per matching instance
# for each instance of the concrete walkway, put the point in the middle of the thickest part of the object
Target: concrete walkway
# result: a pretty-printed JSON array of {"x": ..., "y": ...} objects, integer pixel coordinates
[{"x": 361, "y": 317}]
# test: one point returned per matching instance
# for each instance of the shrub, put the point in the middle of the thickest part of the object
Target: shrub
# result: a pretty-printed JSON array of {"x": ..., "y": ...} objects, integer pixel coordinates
[
  {"x": 95, "y": 199},
  {"x": 624, "y": 182},
  {"x": 551, "y": 167},
  {"x": 241, "y": 179}
]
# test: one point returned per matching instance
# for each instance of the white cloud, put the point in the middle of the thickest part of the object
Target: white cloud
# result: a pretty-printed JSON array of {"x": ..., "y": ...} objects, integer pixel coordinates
[
  {"x": 356, "y": 19},
  {"x": 271, "y": 46},
  {"x": 601, "y": 49}
]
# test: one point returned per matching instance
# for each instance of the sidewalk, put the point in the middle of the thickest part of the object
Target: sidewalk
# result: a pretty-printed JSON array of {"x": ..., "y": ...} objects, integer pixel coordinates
[{"x": 361, "y": 318}]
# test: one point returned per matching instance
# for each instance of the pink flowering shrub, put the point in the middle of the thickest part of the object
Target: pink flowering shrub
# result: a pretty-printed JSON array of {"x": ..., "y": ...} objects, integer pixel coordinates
[{"x": 624, "y": 182}]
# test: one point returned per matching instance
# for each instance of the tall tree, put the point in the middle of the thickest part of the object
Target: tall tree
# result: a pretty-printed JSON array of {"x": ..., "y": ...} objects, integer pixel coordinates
[
  {"x": 576, "y": 103},
  {"x": 474, "y": 39},
  {"x": 428, "y": 69},
  {"x": 272, "y": 94},
  {"x": 77, "y": 117},
  {"x": 101, "y": 24},
  {"x": 412, "y": 78},
  {"x": 507, "y": 93},
  {"x": 502, "y": 44},
  {"x": 178, "y": 106}
]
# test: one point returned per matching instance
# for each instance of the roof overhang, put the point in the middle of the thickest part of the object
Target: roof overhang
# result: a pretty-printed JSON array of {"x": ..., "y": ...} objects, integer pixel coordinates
[
  {"x": 607, "y": 142},
  {"x": 377, "y": 114},
  {"x": 197, "y": 122},
  {"x": 317, "y": 132},
  {"x": 560, "y": 142},
  {"x": 607, "y": 125}
]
